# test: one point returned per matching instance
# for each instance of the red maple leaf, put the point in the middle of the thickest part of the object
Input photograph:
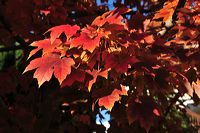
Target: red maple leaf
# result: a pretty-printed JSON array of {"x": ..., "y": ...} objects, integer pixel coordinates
[
  {"x": 45, "y": 45},
  {"x": 111, "y": 17},
  {"x": 75, "y": 75},
  {"x": 167, "y": 11},
  {"x": 47, "y": 65},
  {"x": 89, "y": 39},
  {"x": 109, "y": 101},
  {"x": 144, "y": 110},
  {"x": 119, "y": 62},
  {"x": 67, "y": 29},
  {"x": 90, "y": 36},
  {"x": 95, "y": 74}
]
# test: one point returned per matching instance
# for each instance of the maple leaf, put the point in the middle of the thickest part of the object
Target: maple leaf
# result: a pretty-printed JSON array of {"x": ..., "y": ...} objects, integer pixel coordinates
[
  {"x": 167, "y": 11},
  {"x": 119, "y": 62},
  {"x": 75, "y": 75},
  {"x": 143, "y": 109},
  {"x": 111, "y": 17},
  {"x": 47, "y": 65},
  {"x": 89, "y": 39},
  {"x": 67, "y": 29},
  {"x": 115, "y": 33},
  {"x": 109, "y": 101},
  {"x": 95, "y": 74},
  {"x": 45, "y": 45}
]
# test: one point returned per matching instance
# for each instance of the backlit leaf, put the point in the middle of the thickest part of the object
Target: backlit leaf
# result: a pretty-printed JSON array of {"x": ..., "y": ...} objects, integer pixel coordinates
[
  {"x": 45, "y": 45},
  {"x": 95, "y": 74},
  {"x": 67, "y": 29},
  {"x": 89, "y": 39},
  {"x": 109, "y": 101},
  {"x": 47, "y": 65}
]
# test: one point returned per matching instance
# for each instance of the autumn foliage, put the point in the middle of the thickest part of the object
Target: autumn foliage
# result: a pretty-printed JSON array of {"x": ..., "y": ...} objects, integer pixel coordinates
[{"x": 136, "y": 62}]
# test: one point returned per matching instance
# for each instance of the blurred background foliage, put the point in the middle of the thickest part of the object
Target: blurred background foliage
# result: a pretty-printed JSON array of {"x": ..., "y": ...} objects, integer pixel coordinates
[{"x": 24, "y": 107}]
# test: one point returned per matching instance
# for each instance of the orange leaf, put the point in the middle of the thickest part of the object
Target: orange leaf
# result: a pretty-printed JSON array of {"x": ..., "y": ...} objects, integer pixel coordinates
[
  {"x": 47, "y": 65},
  {"x": 45, "y": 45},
  {"x": 167, "y": 11},
  {"x": 149, "y": 39},
  {"x": 89, "y": 39},
  {"x": 111, "y": 17},
  {"x": 95, "y": 74},
  {"x": 67, "y": 29},
  {"x": 109, "y": 101}
]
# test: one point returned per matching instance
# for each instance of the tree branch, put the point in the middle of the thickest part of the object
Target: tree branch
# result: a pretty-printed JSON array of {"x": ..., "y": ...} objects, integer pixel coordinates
[{"x": 181, "y": 4}]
